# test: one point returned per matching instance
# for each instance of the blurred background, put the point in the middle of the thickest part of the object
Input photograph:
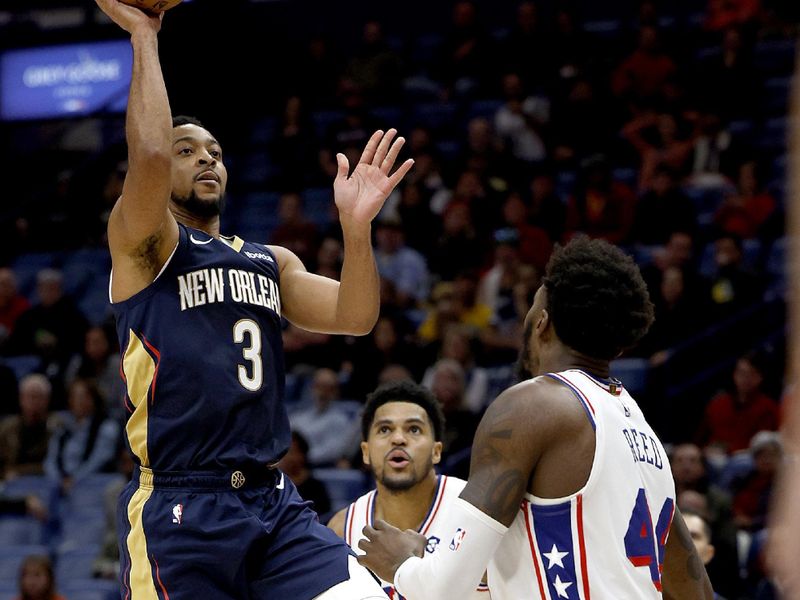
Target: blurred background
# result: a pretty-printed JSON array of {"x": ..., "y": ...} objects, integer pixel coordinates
[{"x": 657, "y": 125}]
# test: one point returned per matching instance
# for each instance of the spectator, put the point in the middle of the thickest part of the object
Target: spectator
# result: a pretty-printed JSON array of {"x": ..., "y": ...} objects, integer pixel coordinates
[
  {"x": 29, "y": 505},
  {"x": 520, "y": 123},
  {"x": 723, "y": 14},
  {"x": 293, "y": 149},
  {"x": 53, "y": 328},
  {"x": 12, "y": 303},
  {"x": 601, "y": 207},
  {"x": 99, "y": 362},
  {"x": 466, "y": 52},
  {"x": 643, "y": 76},
  {"x": 546, "y": 210},
  {"x": 526, "y": 48},
  {"x": 448, "y": 384},
  {"x": 458, "y": 247},
  {"x": 325, "y": 424},
  {"x": 36, "y": 580},
  {"x": 86, "y": 442},
  {"x": 733, "y": 417},
  {"x": 662, "y": 210},
  {"x": 659, "y": 141},
  {"x": 695, "y": 490},
  {"x": 403, "y": 266},
  {"x": 701, "y": 536},
  {"x": 295, "y": 231},
  {"x": 458, "y": 344},
  {"x": 751, "y": 211},
  {"x": 534, "y": 243},
  {"x": 753, "y": 490},
  {"x": 294, "y": 465},
  {"x": 376, "y": 68},
  {"x": 24, "y": 437},
  {"x": 733, "y": 285}
]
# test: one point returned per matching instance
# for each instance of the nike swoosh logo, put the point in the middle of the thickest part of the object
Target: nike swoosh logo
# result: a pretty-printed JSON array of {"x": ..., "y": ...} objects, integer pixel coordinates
[
  {"x": 200, "y": 242},
  {"x": 280, "y": 485}
]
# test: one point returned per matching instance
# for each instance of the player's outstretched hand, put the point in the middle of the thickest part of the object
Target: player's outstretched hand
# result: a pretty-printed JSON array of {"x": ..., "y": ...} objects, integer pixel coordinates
[
  {"x": 128, "y": 17},
  {"x": 360, "y": 196},
  {"x": 387, "y": 548}
]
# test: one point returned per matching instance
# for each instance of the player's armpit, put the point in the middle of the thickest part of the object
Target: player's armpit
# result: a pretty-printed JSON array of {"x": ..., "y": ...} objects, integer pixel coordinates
[{"x": 684, "y": 576}]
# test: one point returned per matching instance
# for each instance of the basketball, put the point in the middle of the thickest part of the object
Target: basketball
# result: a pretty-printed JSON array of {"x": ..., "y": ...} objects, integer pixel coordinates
[{"x": 155, "y": 6}]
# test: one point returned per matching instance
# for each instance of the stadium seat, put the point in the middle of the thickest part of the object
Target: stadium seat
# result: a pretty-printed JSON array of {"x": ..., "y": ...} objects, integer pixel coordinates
[
  {"x": 774, "y": 56},
  {"x": 343, "y": 485},
  {"x": 90, "y": 492},
  {"x": 11, "y": 558},
  {"x": 438, "y": 117},
  {"x": 632, "y": 372},
  {"x": 75, "y": 563},
  {"x": 19, "y": 531},
  {"x": 388, "y": 116},
  {"x": 324, "y": 119},
  {"x": 484, "y": 108},
  {"x": 23, "y": 365},
  {"x": 90, "y": 589}
]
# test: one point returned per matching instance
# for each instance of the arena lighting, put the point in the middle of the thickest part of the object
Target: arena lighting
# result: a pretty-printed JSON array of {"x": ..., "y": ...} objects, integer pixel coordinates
[{"x": 63, "y": 81}]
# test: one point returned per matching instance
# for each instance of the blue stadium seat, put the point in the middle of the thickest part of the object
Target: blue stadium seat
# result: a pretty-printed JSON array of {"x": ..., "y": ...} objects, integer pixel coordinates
[
  {"x": 343, "y": 485},
  {"x": 20, "y": 531},
  {"x": 75, "y": 563},
  {"x": 435, "y": 116},
  {"x": 774, "y": 56},
  {"x": 389, "y": 116},
  {"x": 632, "y": 372},
  {"x": 23, "y": 365},
  {"x": 94, "y": 302},
  {"x": 323, "y": 119},
  {"x": 90, "y": 589},
  {"x": 607, "y": 29},
  {"x": 81, "y": 528},
  {"x": 421, "y": 88},
  {"x": 11, "y": 558},
  {"x": 425, "y": 49},
  {"x": 90, "y": 493},
  {"x": 776, "y": 265},
  {"x": 484, "y": 108},
  {"x": 263, "y": 131},
  {"x": 9, "y": 590}
]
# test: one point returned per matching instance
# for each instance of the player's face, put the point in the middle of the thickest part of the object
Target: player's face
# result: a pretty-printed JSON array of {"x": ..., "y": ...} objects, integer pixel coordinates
[
  {"x": 535, "y": 322},
  {"x": 198, "y": 175},
  {"x": 401, "y": 450}
]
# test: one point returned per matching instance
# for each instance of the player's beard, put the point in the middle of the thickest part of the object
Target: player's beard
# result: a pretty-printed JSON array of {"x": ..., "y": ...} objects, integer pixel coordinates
[
  {"x": 204, "y": 209},
  {"x": 522, "y": 369},
  {"x": 398, "y": 484}
]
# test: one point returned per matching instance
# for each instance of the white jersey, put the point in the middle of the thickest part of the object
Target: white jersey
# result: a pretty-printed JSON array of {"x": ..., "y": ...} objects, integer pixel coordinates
[
  {"x": 362, "y": 512},
  {"x": 605, "y": 542}
]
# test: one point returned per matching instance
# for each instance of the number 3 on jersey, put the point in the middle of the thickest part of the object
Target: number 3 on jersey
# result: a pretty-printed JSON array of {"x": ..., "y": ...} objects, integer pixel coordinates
[
  {"x": 644, "y": 547},
  {"x": 247, "y": 332}
]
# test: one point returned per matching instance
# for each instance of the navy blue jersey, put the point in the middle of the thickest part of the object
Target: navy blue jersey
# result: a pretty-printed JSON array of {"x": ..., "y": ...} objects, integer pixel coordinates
[{"x": 203, "y": 359}]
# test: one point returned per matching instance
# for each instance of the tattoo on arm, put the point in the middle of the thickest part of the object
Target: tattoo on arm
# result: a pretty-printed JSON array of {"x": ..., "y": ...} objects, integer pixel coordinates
[
  {"x": 498, "y": 475},
  {"x": 693, "y": 565}
]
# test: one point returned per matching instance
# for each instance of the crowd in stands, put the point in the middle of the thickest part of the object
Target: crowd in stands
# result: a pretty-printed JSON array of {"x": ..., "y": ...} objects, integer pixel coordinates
[{"x": 661, "y": 131}]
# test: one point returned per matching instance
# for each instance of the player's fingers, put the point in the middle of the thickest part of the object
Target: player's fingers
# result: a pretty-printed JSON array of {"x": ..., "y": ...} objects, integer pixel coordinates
[
  {"x": 372, "y": 145},
  {"x": 363, "y": 544},
  {"x": 387, "y": 163},
  {"x": 343, "y": 166},
  {"x": 383, "y": 147},
  {"x": 368, "y": 531},
  {"x": 401, "y": 172}
]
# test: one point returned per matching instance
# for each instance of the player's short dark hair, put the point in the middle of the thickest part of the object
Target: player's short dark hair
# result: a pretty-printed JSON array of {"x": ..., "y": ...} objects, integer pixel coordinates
[
  {"x": 403, "y": 391},
  {"x": 596, "y": 298},
  {"x": 179, "y": 120}
]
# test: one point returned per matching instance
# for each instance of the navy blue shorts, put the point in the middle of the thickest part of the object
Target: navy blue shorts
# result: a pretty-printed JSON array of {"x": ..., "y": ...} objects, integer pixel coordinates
[{"x": 197, "y": 536}]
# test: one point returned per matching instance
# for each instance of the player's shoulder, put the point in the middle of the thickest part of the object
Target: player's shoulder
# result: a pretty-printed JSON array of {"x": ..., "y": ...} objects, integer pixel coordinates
[
  {"x": 452, "y": 485},
  {"x": 540, "y": 404}
]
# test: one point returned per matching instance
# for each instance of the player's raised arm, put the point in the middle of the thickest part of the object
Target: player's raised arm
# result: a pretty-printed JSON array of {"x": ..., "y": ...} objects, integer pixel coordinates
[
  {"x": 141, "y": 229},
  {"x": 684, "y": 576},
  {"x": 351, "y": 306}
]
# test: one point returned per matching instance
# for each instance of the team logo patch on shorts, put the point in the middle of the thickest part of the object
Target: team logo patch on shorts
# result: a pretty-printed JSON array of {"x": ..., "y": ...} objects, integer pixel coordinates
[{"x": 177, "y": 513}]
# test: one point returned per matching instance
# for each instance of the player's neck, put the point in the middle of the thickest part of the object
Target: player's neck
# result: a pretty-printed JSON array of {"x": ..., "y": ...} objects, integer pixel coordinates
[
  {"x": 209, "y": 225},
  {"x": 563, "y": 358},
  {"x": 406, "y": 509}
]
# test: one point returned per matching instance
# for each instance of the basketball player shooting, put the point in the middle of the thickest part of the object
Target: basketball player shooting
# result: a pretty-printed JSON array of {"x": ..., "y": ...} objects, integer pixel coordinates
[
  {"x": 570, "y": 493},
  {"x": 207, "y": 514}
]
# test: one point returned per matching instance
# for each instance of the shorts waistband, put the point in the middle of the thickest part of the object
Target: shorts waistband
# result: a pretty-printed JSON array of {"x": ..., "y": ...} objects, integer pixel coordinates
[{"x": 234, "y": 479}]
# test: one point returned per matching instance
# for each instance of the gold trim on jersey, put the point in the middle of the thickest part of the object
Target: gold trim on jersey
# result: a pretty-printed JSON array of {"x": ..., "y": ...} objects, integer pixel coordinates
[
  {"x": 234, "y": 242},
  {"x": 141, "y": 575},
  {"x": 139, "y": 368}
]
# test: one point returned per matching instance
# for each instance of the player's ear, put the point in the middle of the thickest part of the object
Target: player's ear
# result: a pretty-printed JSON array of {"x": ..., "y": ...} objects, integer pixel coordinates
[
  {"x": 436, "y": 454},
  {"x": 365, "y": 452},
  {"x": 543, "y": 321}
]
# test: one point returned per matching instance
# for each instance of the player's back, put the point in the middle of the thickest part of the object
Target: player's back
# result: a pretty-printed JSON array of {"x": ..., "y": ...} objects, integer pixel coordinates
[
  {"x": 203, "y": 359},
  {"x": 607, "y": 540}
]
